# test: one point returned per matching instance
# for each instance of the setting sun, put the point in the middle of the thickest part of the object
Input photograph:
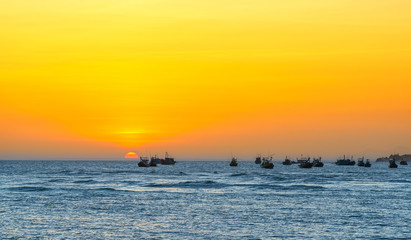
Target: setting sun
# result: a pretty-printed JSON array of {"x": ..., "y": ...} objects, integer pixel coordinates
[{"x": 131, "y": 155}]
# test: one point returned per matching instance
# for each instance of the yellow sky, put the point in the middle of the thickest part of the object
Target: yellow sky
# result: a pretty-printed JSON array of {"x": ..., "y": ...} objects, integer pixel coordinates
[{"x": 204, "y": 79}]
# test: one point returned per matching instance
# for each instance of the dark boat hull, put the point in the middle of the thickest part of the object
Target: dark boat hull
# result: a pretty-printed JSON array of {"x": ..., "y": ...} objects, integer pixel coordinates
[
  {"x": 320, "y": 164},
  {"x": 403, "y": 163},
  {"x": 143, "y": 164},
  {"x": 345, "y": 163},
  {"x": 268, "y": 165},
  {"x": 306, "y": 165},
  {"x": 167, "y": 161}
]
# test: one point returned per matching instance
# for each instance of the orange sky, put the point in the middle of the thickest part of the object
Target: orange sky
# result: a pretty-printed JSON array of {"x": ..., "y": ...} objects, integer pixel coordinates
[{"x": 97, "y": 79}]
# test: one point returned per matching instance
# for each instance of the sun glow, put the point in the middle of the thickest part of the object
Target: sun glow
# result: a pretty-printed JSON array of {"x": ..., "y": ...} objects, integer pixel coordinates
[
  {"x": 131, "y": 155},
  {"x": 204, "y": 77}
]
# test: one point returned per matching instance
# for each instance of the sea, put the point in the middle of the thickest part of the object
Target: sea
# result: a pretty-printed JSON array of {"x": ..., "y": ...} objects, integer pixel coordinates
[{"x": 202, "y": 200}]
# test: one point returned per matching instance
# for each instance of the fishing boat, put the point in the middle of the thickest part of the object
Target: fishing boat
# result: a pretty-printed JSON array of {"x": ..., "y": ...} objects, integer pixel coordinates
[
  {"x": 266, "y": 163},
  {"x": 143, "y": 162},
  {"x": 305, "y": 164},
  {"x": 152, "y": 163},
  {"x": 317, "y": 162},
  {"x": 287, "y": 161},
  {"x": 303, "y": 159},
  {"x": 345, "y": 162},
  {"x": 233, "y": 162},
  {"x": 392, "y": 164},
  {"x": 403, "y": 162},
  {"x": 367, "y": 163},
  {"x": 257, "y": 160},
  {"x": 360, "y": 162},
  {"x": 167, "y": 160},
  {"x": 155, "y": 159}
]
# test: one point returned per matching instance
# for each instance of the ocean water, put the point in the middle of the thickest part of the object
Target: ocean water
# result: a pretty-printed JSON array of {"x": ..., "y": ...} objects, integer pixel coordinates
[{"x": 202, "y": 200}]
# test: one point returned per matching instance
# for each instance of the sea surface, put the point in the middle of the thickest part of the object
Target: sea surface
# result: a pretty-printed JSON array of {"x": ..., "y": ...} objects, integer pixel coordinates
[{"x": 202, "y": 200}]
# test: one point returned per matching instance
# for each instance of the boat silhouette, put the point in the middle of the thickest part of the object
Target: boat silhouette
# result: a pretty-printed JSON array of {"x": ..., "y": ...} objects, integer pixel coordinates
[
  {"x": 360, "y": 162},
  {"x": 143, "y": 162},
  {"x": 266, "y": 163},
  {"x": 345, "y": 162},
  {"x": 258, "y": 160},
  {"x": 367, "y": 163},
  {"x": 305, "y": 163},
  {"x": 233, "y": 162},
  {"x": 167, "y": 160},
  {"x": 317, "y": 162},
  {"x": 392, "y": 164}
]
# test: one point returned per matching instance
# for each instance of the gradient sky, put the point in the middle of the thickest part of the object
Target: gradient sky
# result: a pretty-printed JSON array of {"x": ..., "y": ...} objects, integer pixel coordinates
[{"x": 95, "y": 79}]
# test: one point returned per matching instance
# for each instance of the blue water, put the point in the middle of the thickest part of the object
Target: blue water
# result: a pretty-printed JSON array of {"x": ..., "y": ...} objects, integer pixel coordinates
[{"x": 202, "y": 200}]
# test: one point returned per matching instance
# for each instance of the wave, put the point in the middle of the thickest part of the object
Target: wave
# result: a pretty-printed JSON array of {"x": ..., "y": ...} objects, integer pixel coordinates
[
  {"x": 289, "y": 187},
  {"x": 189, "y": 184},
  {"x": 238, "y": 174},
  {"x": 277, "y": 178},
  {"x": 29, "y": 189},
  {"x": 105, "y": 189},
  {"x": 84, "y": 181},
  {"x": 400, "y": 181},
  {"x": 213, "y": 184},
  {"x": 305, "y": 187},
  {"x": 56, "y": 180},
  {"x": 121, "y": 172}
]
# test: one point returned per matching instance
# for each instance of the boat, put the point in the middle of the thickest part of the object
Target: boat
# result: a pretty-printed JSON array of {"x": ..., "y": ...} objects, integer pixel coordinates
[
  {"x": 367, "y": 163},
  {"x": 287, "y": 161},
  {"x": 403, "y": 162},
  {"x": 392, "y": 164},
  {"x": 266, "y": 163},
  {"x": 303, "y": 159},
  {"x": 305, "y": 164},
  {"x": 317, "y": 162},
  {"x": 345, "y": 162},
  {"x": 152, "y": 163},
  {"x": 155, "y": 159},
  {"x": 233, "y": 162},
  {"x": 360, "y": 162},
  {"x": 143, "y": 162},
  {"x": 257, "y": 160},
  {"x": 167, "y": 160}
]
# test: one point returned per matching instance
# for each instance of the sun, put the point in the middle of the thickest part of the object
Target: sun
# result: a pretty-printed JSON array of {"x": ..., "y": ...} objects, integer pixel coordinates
[{"x": 131, "y": 155}]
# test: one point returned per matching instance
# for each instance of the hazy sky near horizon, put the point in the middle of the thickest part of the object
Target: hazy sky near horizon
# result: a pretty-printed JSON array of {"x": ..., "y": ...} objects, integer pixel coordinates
[{"x": 96, "y": 79}]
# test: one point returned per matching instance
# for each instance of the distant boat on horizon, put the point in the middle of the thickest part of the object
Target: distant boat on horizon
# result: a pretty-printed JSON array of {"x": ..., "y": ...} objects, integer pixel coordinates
[
  {"x": 392, "y": 164},
  {"x": 288, "y": 161},
  {"x": 317, "y": 162},
  {"x": 233, "y": 162},
  {"x": 360, "y": 162},
  {"x": 155, "y": 159},
  {"x": 304, "y": 163},
  {"x": 143, "y": 162},
  {"x": 266, "y": 163},
  {"x": 345, "y": 162},
  {"x": 303, "y": 159},
  {"x": 167, "y": 160},
  {"x": 257, "y": 160}
]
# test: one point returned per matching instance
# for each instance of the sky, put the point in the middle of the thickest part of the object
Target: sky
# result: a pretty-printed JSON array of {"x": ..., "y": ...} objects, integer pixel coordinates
[{"x": 96, "y": 79}]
